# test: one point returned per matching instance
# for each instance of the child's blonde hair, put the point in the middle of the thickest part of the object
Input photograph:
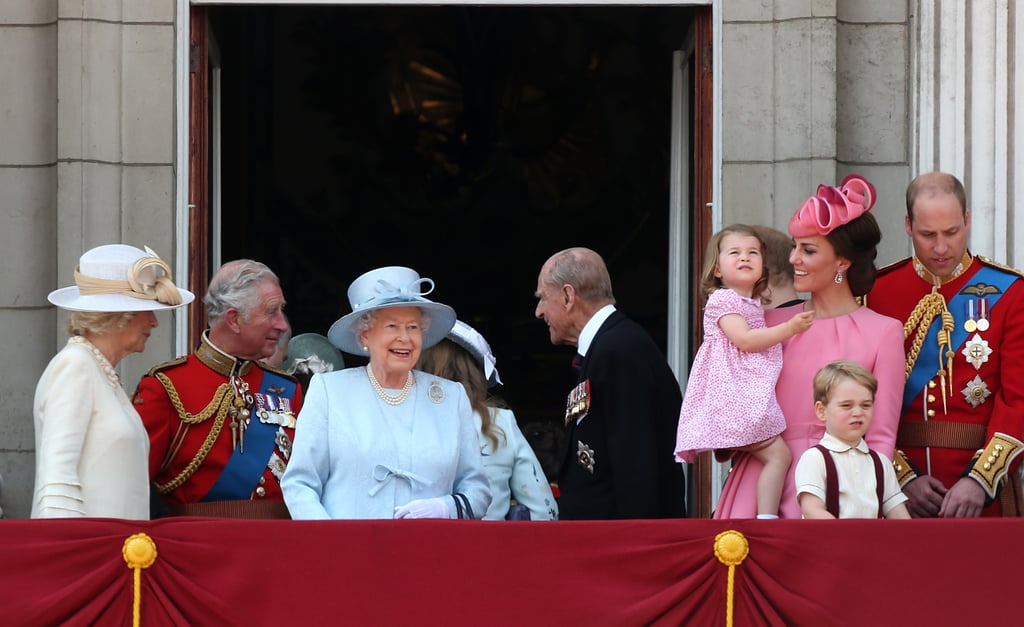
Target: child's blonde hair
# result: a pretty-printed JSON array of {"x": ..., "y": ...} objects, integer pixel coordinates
[
  {"x": 708, "y": 281},
  {"x": 842, "y": 370}
]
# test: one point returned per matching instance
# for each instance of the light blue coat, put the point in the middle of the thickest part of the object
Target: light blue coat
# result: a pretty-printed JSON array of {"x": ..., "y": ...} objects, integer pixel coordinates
[
  {"x": 514, "y": 471},
  {"x": 355, "y": 456}
]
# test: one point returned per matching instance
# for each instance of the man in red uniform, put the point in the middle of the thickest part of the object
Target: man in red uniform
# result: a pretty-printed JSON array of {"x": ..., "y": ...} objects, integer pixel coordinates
[
  {"x": 220, "y": 421},
  {"x": 963, "y": 407}
]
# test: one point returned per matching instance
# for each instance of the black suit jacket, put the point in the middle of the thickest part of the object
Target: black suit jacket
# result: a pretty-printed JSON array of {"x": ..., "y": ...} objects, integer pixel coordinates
[{"x": 629, "y": 432}]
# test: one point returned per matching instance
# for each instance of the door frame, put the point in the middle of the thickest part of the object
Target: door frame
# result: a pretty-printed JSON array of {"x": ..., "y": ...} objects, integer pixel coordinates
[{"x": 195, "y": 226}]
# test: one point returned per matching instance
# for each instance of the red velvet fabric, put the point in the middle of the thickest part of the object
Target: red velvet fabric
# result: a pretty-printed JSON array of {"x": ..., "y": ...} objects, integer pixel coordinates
[{"x": 232, "y": 572}]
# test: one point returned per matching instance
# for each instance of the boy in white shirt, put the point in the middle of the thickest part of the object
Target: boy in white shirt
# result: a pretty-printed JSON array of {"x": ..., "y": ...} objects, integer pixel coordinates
[{"x": 841, "y": 477}]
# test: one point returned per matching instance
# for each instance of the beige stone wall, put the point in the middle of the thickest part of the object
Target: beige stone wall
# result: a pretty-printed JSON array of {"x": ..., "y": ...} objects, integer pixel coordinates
[
  {"x": 87, "y": 158},
  {"x": 813, "y": 90}
]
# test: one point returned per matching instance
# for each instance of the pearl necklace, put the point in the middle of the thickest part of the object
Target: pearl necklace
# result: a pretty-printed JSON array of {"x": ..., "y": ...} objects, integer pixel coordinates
[
  {"x": 101, "y": 361},
  {"x": 394, "y": 401}
]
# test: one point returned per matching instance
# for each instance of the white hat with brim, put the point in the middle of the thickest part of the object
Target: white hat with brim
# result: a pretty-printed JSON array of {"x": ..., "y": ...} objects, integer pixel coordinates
[
  {"x": 470, "y": 339},
  {"x": 386, "y": 288},
  {"x": 118, "y": 277}
]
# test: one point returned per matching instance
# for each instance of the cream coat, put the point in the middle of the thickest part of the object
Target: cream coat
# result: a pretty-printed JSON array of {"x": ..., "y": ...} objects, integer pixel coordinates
[{"x": 91, "y": 448}]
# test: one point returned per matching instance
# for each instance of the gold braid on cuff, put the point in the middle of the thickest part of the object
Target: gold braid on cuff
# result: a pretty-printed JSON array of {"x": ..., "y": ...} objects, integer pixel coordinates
[
  {"x": 904, "y": 470},
  {"x": 992, "y": 465}
]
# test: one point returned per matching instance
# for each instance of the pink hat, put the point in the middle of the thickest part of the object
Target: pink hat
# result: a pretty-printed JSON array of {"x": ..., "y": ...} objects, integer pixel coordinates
[{"x": 832, "y": 207}]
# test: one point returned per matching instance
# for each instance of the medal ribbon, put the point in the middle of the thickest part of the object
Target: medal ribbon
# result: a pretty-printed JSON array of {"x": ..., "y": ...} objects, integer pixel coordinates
[
  {"x": 924, "y": 367},
  {"x": 243, "y": 471}
]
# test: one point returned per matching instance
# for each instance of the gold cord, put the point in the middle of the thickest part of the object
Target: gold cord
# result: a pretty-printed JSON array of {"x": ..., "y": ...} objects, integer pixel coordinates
[
  {"x": 931, "y": 306},
  {"x": 220, "y": 405}
]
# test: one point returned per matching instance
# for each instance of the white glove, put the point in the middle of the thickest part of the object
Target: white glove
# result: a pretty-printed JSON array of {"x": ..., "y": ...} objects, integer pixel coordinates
[{"x": 424, "y": 508}]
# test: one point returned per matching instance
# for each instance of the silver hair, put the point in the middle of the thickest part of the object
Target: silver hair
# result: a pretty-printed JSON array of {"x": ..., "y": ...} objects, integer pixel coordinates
[
  {"x": 367, "y": 319},
  {"x": 234, "y": 285}
]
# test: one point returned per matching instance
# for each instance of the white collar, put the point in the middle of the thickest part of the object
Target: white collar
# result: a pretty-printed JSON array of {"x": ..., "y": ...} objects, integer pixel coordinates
[
  {"x": 836, "y": 445},
  {"x": 591, "y": 327}
]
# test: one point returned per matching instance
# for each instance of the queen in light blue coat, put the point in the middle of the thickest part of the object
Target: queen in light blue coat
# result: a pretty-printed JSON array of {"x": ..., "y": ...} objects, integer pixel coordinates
[{"x": 387, "y": 441}]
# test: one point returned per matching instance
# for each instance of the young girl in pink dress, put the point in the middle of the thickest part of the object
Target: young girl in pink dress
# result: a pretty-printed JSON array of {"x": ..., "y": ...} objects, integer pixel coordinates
[{"x": 730, "y": 397}]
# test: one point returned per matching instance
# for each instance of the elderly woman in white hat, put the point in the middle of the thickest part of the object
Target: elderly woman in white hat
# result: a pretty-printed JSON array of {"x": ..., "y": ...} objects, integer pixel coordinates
[
  {"x": 387, "y": 441},
  {"x": 91, "y": 448},
  {"x": 509, "y": 461}
]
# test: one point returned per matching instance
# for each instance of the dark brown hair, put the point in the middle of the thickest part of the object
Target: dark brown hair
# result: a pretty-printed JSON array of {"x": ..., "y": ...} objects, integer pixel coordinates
[{"x": 857, "y": 241}]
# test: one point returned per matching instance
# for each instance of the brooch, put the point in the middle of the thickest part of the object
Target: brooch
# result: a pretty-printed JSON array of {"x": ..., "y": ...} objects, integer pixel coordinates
[{"x": 436, "y": 392}]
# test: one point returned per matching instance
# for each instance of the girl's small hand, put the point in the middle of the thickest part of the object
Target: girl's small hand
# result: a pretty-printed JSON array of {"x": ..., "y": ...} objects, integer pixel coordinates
[{"x": 801, "y": 322}]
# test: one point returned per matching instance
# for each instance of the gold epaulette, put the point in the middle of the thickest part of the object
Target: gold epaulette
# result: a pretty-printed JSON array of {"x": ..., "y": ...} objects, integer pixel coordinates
[
  {"x": 990, "y": 467},
  {"x": 999, "y": 266},
  {"x": 904, "y": 470},
  {"x": 166, "y": 365}
]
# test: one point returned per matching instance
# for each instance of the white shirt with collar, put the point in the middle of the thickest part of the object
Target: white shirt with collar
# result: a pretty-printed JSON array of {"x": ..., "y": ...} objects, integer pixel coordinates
[
  {"x": 858, "y": 497},
  {"x": 590, "y": 328}
]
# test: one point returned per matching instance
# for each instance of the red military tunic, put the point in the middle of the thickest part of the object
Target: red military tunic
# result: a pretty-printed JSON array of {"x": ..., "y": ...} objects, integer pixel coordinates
[
  {"x": 985, "y": 401},
  {"x": 185, "y": 460}
]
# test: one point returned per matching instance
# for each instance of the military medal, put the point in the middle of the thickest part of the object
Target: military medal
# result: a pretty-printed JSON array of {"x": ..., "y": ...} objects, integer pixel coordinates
[
  {"x": 976, "y": 350},
  {"x": 970, "y": 325},
  {"x": 577, "y": 404},
  {"x": 585, "y": 457},
  {"x": 976, "y": 391},
  {"x": 983, "y": 314}
]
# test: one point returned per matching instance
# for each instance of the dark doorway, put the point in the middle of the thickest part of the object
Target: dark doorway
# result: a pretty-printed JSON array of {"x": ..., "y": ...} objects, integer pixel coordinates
[{"x": 467, "y": 142}]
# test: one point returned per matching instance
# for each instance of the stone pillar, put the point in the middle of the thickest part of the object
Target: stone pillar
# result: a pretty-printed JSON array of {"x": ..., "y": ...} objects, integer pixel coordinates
[
  {"x": 813, "y": 91},
  {"x": 28, "y": 222}
]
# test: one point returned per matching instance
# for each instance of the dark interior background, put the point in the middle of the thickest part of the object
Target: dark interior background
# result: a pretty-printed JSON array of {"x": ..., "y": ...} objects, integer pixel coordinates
[{"x": 469, "y": 143}]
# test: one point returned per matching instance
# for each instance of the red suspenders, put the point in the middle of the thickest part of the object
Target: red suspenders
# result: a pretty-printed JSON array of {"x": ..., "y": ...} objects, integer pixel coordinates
[{"x": 832, "y": 481}]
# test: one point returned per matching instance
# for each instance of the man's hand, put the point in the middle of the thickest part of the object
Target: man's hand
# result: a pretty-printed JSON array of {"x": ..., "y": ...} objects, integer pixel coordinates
[
  {"x": 925, "y": 496},
  {"x": 965, "y": 499}
]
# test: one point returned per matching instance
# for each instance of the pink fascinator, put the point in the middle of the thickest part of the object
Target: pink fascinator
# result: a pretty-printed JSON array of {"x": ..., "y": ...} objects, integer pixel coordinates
[{"x": 832, "y": 207}]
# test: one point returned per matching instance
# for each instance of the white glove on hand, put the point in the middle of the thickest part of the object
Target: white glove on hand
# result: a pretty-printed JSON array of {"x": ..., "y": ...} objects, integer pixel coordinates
[{"x": 424, "y": 508}]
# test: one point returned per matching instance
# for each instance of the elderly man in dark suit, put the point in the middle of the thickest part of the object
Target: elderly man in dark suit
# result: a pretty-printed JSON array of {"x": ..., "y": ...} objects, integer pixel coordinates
[{"x": 621, "y": 417}]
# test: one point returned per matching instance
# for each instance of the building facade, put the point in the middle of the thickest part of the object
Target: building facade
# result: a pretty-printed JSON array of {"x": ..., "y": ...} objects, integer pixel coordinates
[{"x": 95, "y": 133}]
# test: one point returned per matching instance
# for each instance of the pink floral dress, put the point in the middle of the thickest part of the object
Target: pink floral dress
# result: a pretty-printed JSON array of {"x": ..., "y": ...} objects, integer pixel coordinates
[{"x": 730, "y": 396}]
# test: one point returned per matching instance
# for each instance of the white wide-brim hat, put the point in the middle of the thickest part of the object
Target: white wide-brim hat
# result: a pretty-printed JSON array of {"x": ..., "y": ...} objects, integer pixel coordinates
[
  {"x": 118, "y": 277},
  {"x": 470, "y": 339},
  {"x": 385, "y": 288}
]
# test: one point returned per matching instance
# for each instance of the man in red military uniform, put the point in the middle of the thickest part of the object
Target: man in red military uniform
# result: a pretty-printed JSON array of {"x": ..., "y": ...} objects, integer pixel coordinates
[
  {"x": 962, "y": 424},
  {"x": 220, "y": 421}
]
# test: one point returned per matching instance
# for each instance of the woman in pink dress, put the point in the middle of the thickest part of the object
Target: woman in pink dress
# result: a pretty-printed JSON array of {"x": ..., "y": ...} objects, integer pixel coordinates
[
  {"x": 835, "y": 246},
  {"x": 730, "y": 397}
]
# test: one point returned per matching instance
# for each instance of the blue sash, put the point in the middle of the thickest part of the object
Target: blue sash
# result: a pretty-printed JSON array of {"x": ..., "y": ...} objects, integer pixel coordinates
[
  {"x": 924, "y": 367},
  {"x": 243, "y": 471}
]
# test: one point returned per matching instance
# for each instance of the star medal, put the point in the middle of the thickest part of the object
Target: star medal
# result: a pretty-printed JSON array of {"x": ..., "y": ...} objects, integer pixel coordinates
[
  {"x": 585, "y": 456},
  {"x": 976, "y": 350},
  {"x": 976, "y": 391}
]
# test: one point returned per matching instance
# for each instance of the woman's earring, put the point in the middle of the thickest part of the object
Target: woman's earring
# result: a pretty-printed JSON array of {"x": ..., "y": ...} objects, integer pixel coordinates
[
  {"x": 839, "y": 277},
  {"x": 365, "y": 348}
]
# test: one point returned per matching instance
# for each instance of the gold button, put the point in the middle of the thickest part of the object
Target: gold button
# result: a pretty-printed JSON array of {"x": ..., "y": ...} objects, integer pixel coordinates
[
  {"x": 261, "y": 491},
  {"x": 988, "y": 466},
  {"x": 263, "y": 480},
  {"x": 931, "y": 384},
  {"x": 931, "y": 413},
  {"x": 931, "y": 398},
  {"x": 999, "y": 447}
]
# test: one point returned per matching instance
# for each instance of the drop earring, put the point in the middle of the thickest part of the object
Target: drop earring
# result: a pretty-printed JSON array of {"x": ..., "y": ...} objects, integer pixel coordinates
[{"x": 839, "y": 277}]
